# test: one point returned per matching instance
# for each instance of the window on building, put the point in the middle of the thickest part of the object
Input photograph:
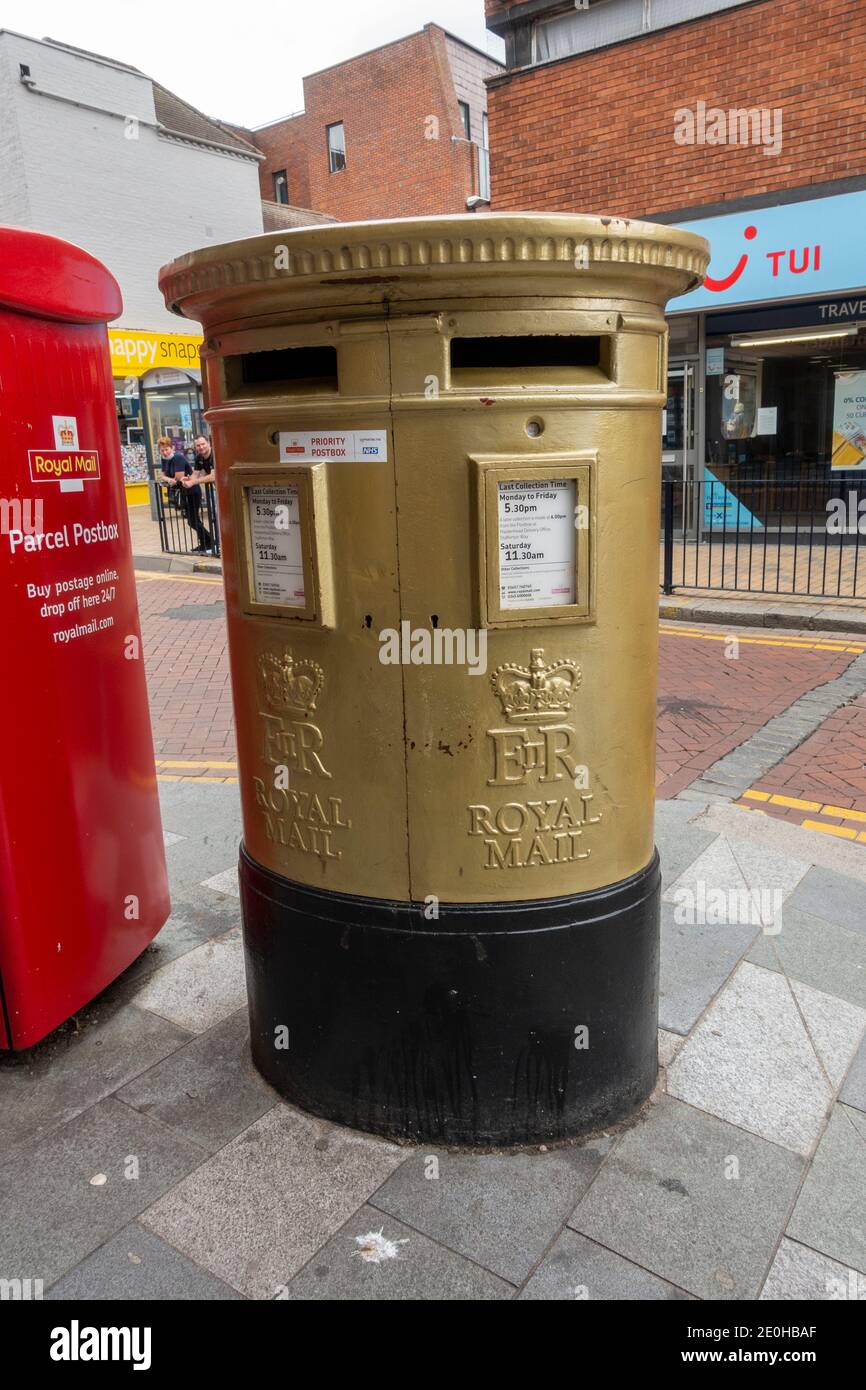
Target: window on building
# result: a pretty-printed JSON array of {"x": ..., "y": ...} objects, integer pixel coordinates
[
  {"x": 336, "y": 147},
  {"x": 595, "y": 23},
  {"x": 281, "y": 186},
  {"x": 484, "y": 161},
  {"x": 465, "y": 118}
]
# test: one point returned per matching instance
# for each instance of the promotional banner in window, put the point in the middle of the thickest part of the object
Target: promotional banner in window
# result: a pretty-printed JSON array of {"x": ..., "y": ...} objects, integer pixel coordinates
[{"x": 849, "y": 422}]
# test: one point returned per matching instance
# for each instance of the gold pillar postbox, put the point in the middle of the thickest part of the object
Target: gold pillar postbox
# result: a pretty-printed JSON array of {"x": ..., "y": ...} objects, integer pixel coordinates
[{"x": 438, "y": 460}]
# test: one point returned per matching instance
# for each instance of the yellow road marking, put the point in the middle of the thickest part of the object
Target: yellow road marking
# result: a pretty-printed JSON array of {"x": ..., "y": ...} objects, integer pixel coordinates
[
  {"x": 843, "y": 813},
  {"x": 158, "y": 577},
  {"x": 841, "y": 831},
  {"x": 802, "y": 644},
  {"x": 165, "y": 777},
  {"x": 207, "y": 762},
  {"x": 795, "y": 803}
]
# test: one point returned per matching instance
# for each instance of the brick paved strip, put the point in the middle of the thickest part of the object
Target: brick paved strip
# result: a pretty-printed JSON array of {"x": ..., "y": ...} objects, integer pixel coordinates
[
  {"x": 718, "y": 690},
  {"x": 731, "y": 776},
  {"x": 824, "y": 779}
]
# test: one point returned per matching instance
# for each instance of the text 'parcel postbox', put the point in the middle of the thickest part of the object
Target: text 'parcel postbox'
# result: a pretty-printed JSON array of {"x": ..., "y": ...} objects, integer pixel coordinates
[
  {"x": 83, "y": 885},
  {"x": 438, "y": 456}
]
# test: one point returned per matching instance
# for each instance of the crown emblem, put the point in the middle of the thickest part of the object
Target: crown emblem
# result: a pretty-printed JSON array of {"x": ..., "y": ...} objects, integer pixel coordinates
[
  {"x": 288, "y": 685},
  {"x": 535, "y": 692},
  {"x": 67, "y": 436}
]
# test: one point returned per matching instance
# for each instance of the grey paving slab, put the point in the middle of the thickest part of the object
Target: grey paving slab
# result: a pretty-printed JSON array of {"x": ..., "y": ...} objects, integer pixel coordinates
[
  {"x": 375, "y": 1257},
  {"x": 705, "y": 793},
  {"x": 189, "y": 804},
  {"x": 812, "y": 846},
  {"x": 679, "y": 844},
  {"x": 193, "y": 920},
  {"x": 752, "y": 1061},
  {"x": 694, "y": 1200},
  {"x": 198, "y": 989},
  {"x": 669, "y": 1045},
  {"x": 208, "y": 1090},
  {"x": 817, "y": 952},
  {"x": 696, "y": 960},
  {"x": 204, "y": 851},
  {"x": 499, "y": 1210},
  {"x": 830, "y": 1214},
  {"x": 77, "y": 1066},
  {"x": 853, "y": 1091},
  {"x": 834, "y": 1026},
  {"x": 201, "y": 916},
  {"x": 766, "y": 877},
  {"x": 135, "y": 1264},
  {"x": 833, "y": 896},
  {"x": 257, "y": 1211},
  {"x": 52, "y": 1213},
  {"x": 577, "y": 1268},
  {"x": 224, "y": 882},
  {"x": 670, "y": 812},
  {"x": 800, "y": 1273}
]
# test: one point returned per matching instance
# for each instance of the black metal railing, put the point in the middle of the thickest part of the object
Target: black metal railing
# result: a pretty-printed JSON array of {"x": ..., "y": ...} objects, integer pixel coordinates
[
  {"x": 188, "y": 521},
  {"x": 765, "y": 535}
]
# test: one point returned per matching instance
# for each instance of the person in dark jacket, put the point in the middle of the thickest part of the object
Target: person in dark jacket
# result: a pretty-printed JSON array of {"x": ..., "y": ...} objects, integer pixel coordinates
[{"x": 175, "y": 471}]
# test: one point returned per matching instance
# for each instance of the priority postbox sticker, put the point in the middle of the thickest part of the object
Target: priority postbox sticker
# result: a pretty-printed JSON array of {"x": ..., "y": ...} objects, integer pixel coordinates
[
  {"x": 347, "y": 446},
  {"x": 67, "y": 463}
]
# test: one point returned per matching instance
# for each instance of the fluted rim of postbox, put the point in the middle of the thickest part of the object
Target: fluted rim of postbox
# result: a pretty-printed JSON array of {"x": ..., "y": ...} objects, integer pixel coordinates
[{"x": 371, "y": 254}]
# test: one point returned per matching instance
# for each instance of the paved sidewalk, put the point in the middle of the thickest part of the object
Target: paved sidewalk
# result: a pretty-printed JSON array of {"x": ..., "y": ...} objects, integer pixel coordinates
[{"x": 142, "y": 1156}]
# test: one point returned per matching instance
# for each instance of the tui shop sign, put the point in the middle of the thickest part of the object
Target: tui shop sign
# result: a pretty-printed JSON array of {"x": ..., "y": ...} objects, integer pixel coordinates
[{"x": 794, "y": 251}]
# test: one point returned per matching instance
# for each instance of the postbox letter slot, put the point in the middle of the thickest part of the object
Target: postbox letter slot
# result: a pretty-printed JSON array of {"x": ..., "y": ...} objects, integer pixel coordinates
[
  {"x": 300, "y": 371},
  {"x": 555, "y": 359}
]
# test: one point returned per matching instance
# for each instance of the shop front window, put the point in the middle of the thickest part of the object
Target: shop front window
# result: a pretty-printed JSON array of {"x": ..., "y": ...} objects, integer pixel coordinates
[
  {"x": 786, "y": 416},
  {"x": 174, "y": 412},
  {"x": 130, "y": 427}
]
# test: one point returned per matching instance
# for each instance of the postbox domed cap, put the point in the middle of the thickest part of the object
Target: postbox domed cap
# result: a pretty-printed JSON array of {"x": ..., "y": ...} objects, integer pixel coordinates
[
  {"x": 53, "y": 279},
  {"x": 417, "y": 258}
]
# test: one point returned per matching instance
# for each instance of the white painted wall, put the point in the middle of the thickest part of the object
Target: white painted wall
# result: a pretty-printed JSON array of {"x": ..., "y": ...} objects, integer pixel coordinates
[{"x": 133, "y": 203}]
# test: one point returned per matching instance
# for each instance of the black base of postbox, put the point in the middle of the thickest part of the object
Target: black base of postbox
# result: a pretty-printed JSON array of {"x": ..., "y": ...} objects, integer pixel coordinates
[{"x": 495, "y": 1024}]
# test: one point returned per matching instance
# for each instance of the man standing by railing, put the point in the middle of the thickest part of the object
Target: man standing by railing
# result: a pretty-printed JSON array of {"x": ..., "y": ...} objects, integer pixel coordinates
[
  {"x": 177, "y": 473},
  {"x": 202, "y": 473}
]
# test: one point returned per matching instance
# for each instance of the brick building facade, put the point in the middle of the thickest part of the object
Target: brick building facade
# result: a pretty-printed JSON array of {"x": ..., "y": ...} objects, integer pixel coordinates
[
  {"x": 744, "y": 120},
  {"x": 594, "y": 130},
  {"x": 410, "y": 147}
]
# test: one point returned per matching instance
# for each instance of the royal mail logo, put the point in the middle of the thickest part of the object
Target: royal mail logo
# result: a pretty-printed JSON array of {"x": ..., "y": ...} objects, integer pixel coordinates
[
  {"x": 67, "y": 463},
  {"x": 59, "y": 465}
]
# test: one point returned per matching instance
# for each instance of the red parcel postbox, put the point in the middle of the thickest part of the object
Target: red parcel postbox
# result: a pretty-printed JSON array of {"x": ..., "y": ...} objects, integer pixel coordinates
[{"x": 83, "y": 885}]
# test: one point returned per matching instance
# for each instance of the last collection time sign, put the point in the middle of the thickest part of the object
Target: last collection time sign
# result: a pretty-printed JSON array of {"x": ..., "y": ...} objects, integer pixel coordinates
[
  {"x": 537, "y": 540},
  {"x": 275, "y": 542}
]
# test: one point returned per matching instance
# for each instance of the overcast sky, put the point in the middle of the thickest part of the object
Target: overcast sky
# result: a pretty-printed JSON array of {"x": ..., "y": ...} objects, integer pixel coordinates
[{"x": 244, "y": 64}]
